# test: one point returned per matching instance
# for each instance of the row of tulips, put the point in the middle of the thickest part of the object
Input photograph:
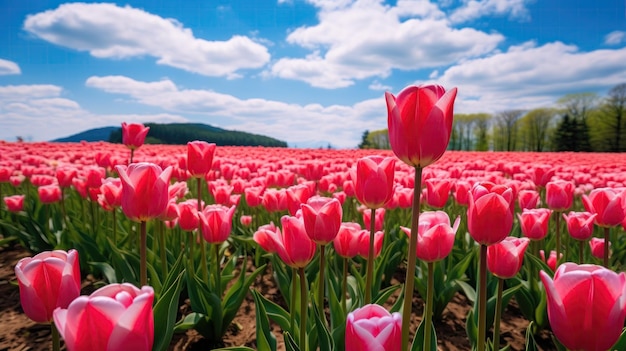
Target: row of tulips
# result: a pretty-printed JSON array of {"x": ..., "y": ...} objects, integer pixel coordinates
[{"x": 475, "y": 212}]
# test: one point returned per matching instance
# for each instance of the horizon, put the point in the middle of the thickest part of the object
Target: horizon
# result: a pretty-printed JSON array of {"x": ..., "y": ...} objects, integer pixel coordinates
[{"x": 293, "y": 70}]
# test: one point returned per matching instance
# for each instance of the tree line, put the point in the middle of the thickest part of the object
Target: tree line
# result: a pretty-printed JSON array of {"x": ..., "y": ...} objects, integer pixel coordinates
[{"x": 583, "y": 122}]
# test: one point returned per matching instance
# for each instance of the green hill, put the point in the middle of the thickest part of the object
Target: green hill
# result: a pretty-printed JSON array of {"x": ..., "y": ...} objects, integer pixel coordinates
[{"x": 181, "y": 133}]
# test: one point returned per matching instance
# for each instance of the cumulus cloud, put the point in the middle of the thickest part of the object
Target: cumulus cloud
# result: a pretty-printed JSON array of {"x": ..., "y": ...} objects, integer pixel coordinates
[
  {"x": 9, "y": 67},
  {"x": 111, "y": 31},
  {"x": 412, "y": 35},
  {"x": 530, "y": 76},
  {"x": 39, "y": 112},
  {"x": 299, "y": 125},
  {"x": 615, "y": 38},
  {"x": 376, "y": 85},
  {"x": 473, "y": 9}
]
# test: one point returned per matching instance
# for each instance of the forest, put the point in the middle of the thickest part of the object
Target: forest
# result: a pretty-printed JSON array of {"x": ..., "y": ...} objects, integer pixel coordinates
[{"x": 585, "y": 122}]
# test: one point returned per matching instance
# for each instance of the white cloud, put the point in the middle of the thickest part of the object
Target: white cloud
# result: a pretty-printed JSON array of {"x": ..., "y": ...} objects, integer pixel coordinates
[
  {"x": 9, "y": 67},
  {"x": 38, "y": 113},
  {"x": 370, "y": 39},
  {"x": 110, "y": 31},
  {"x": 530, "y": 76},
  {"x": 376, "y": 85},
  {"x": 473, "y": 9},
  {"x": 299, "y": 125},
  {"x": 615, "y": 38}
]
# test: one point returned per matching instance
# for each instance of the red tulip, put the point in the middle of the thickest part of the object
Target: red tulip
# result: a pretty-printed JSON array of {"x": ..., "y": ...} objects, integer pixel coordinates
[
  {"x": 188, "y": 215},
  {"x": 580, "y": 224},
  {"x": 534, "y": 222},
  {"x": 296, "y": 196},
  {"x": 199, "y": 158},
  {"x": 114, "y": 317},
  {"x": 550, "y": 260},
  {"x": 597, "y": 247},
  {"x": 438, "y": 192},
  {"x": 607, "y": 204},
  {"x": 49, "y": 194},
  {"x": 489, "y": 215},
  {"x": 48, "y": 280},
  {"x": 528, "y": 199},
  {"x": 541, "y": 174},
  {"x": 65, "y": 175},
  {"x": 294, "y": 247},
  {"x": 110, "y": 196},
  {"x": 435, "y": 235},
  {"x": 254, "y": 195},
  {"x": 461, "y": 192},
  {"x": 144, "y": 190},
  {"x": 379, "y": 221},
  {"x": 268, "y": 236},
  {"x": 586, "y": 306},
  {"x": 559, "y": 195},
  {"x": 364, "y": 242},
  {"x": 504, "y": 259},
  {"x": 217, "y": 222},
  {"x": 420, "y": 123},
  {"x": 373, "y": 328},
  {"x": 14, "y": 203},
  {"x": 221, "y": 193},
  {"x": 134, "y": 134},
  {"x": 322, "y": 218},
  {"x": 374, "y": 180},
  {"x": 348, "y": 240}
]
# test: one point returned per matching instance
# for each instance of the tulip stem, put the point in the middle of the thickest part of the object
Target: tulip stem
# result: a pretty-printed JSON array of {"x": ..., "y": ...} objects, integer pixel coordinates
[
  {"x": 132, "y": 154},
  {"x": 303, "y": 309},
  {"x": 412, "y": 257},
  {"x": 482, "y": 298},
  {"x": 581, "y": 247},
  {"x": 370, "y": 259},
  {"x": 320, "y": 287},
  {"x": 558, "y": 238},
  {"x": 191, "y": 244},
  {"x": 114, "y": 227},
  {"x": 143, "y": 268},
  {"x": 163, "y": 251},
  {"x": 63, "y": 212},
  {"x": 292, "y": 303},
  {"x": 56, "y": 340},
  {"x": 344, "y": 287},
  {"x": 216, "y": 264},
  {"x": 498, "y": 317},
  {"x": 607, "y": 237},
  {"x": 203, "y": 261},
  {"x": 428, "y": 312}
]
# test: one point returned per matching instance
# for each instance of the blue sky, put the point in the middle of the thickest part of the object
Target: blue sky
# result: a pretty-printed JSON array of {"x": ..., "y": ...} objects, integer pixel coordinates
[{"x": 310, "y": 72}]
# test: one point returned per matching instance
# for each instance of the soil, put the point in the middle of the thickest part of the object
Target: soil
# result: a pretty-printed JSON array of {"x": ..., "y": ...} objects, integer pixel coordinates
[{"x": 19, "y": 333}]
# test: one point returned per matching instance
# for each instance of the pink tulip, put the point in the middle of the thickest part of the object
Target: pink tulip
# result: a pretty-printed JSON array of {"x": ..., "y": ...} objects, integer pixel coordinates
[
  {"x": 541, "y": 174},
  {"x": 144, "y": 190},
  {"x": 268, "y": 236},
  {"x": 294, "y": 247},
  {"x": 551, "y": 259},
  {"x": 110, "y": 196},
  {"x": 217, "y": 222},
  {"x": 134, "y": 134},
  {"x": 420, "y": 123},
  {"x": 188, "y": 215},
  {"x": 489, "y": 215},
  {"x": 374, "y": 180},
  {"x": 245, "y": 220},
  {"x": 597, "y": 247},
  {"x": 586, "y": 305},
  {"x": 65, "y": 175},
  {"x": 373, "y": 328},
  {"x": 348, "y": 240},
  {"x": 379, "y": 220},
  {"x": 438, "y": 192},
  {"x": 607, "y": 204},
  {"x": 364, "y": 242},
  {"x": 49, "y": 194},
  {"x": 528, "y": 199},
  {"x": 461, "y": 192},
  {"x": 504, "y": 259},
  {"x": 114, "y": 317},
  {"x": 221, "y": 193},
  {"x": 534, "y": 222},
  {"x": 435, "y": 235},
  {"x": 296, "y": 196},
  {"x": 48, "y": 280},
  {"x": 14, "y": 203},
  {"x": 580, "y": 224},
  {"x": 322, "y": 218},
  {"x": 199, "y": 158},
  {"x": 559, "y": 195},
  {"x": 254, "y": 195}
]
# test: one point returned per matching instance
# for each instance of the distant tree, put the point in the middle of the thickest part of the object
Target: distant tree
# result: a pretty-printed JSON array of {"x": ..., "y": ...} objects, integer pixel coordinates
[
  {"x": 610, "y": 123},
  {"x": 579, "y": 107},
  {"x": 565, "y": 135},
  {"x": 505, "y": 130},
  {"x": 365, "y": 143},
  {"x": 481, "y": 131},
  {"x": 535, "y": 129},
  {"x": 379, "y": 139}
]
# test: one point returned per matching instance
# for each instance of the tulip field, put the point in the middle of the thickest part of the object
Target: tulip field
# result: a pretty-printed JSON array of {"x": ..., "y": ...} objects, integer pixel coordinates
[{"x": 303, "y": 217}]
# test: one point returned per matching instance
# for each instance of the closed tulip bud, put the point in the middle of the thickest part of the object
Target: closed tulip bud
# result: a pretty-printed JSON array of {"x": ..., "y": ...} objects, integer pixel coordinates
[
  {"x": 134, "y": 134},
  {"x": 114, "y": 317},
  {"x": 322, "y": 218},
  {"x": 607, "y": 204},
  {"x": 420, "y": 123},
  {"x": 188, "y": 215},
  {"x": 551, "y": 259},
  {"x": 379, "y": 220},
  {"x": 296, "y": 196},
  {"x": 559, "y": 195},
  {"x": 504, "y": 259},
  {"x": 489, "y": 215},
  {"x": 586, "y": 306},
  {"x": 597, "y": 247},
  {"x": 435, "y": 235},
  {"x": 528, "y": 199},
  {"x": 217, "y": 221},
  {"x": 295, "y": 248},
  {"x": 364, "y": 242},
  {"x": 144, "y": 190},
  {"x": 65, "y": 175},
  {"x": 534, "y": 222},
  {"x": 461, "y": 192},
  {"x": 438, "y": 192},
  {"x": 580, "y": 224},
  {"x": 14, "y": 203},
  {"x": 374, "y": 180},
  {"x": 348, "y": 240},
  {"x": 110, "y": 196},
  {"x": 254, "y": 195},
  {"x": 49, "y": 194},
  {"x": 268, "y": 236},
  {"x": 199, "y": 158},
  {"x": 373, "y": 328},
  {"x": 48, "y": 280},
  {"x": 245, "y": 220}
]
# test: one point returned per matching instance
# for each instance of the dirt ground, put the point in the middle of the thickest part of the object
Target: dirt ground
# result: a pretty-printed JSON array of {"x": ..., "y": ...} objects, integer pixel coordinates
[{"x": 19, "y": 333}]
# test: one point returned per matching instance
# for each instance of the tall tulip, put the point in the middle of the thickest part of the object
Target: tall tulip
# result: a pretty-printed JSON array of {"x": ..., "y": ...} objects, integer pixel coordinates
[
  {"x": 559, "y": 197},
  {"x": 586, "y": 305},
  {"x": 438, "y": 192},
  {"x": 607, "y": 203},
  {"x": 534, "y": 222},
  {"x": 133, "y": 136},
  {"x": 200, "y": 158},
  {"x": 597, "y": 247},
  {"x": 580, "y": 227},
  {"x": 114, "y": 317},
  {"x": 528, "y": 199},
  {"x": 419, "y": 121},
  {"x": 373, "y": 328},
  {"x": 216, "y": 224}
]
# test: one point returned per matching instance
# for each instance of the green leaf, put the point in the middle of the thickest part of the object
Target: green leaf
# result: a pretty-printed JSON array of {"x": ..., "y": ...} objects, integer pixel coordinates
[
  {"x": 165, "y": 312},
  {"x": 384, "y": 294},
  {"x": 531, "y": 344},
  {"x": 290, "y": 343},
  {"x": 265, "y": 340},
  {"x": 107, "y": 271},
  {"x": 205, "y": 301},
  {"x": 469, "y": 291},
  {"x": 621, "y": 342},
  {"x": 418, "y": 340},
  {"x": 325, "y": 340},
  {"x": 273, "y": 311},
  {"x": 236, "y": 294},
  {"x": 189, "y": 322}
]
